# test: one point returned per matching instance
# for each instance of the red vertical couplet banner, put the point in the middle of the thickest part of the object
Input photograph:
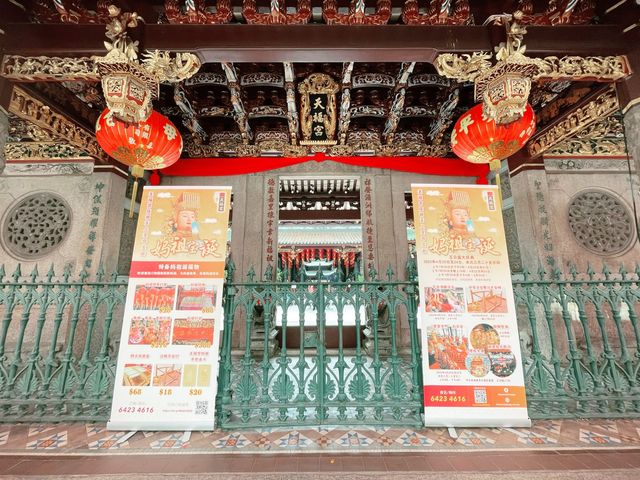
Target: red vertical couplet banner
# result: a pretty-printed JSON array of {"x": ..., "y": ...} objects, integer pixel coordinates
[
  {"x": 472, "y": 366},
  {"x": 167, "y": 372}
]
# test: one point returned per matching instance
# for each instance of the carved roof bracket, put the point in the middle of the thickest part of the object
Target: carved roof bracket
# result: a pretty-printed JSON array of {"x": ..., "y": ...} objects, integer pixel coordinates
[
  {"x": 292, "y": 109},
  {"x": 196, "y": 12},
  {"x": 561, "y": 12},
  {"x": 277, "y": 13},
  {"x": 357, "y": 14},
  {"x": 345, "y": 105},
  {"x": 240, "y": 113},
  {"x": 444, "y": 118},
  {"x": 189, "y": 116},
  {"x": 397, "y": 105},
  {"x": 596, "y": 107},
  {"x": 504, "y": 87},
  {"x": 29, "y": 108},
  {"x": 439, "y": 12}
]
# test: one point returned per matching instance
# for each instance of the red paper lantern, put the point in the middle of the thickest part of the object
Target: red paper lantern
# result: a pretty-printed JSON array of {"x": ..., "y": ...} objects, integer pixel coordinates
[
  {"x": 152, "y": 144},
  {"x": 478, "y": 139}
]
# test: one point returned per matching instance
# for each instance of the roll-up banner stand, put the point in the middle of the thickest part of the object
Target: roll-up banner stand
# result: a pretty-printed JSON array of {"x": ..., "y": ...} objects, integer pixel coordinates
[
  {"x": 472, "y": 367},
  {"x": 167, "y": 370}
]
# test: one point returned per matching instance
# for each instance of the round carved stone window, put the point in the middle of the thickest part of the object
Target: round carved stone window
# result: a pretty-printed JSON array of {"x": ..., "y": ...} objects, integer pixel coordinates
[
  {"x": 36, "y": 225},
  {"x": 601, "y": 223}
]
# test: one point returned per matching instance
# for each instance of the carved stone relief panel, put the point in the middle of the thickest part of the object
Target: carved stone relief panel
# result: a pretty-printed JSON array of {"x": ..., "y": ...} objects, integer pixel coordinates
[
  {"x": 601, "y": 222},
  {"x": 36, "y": 225}
]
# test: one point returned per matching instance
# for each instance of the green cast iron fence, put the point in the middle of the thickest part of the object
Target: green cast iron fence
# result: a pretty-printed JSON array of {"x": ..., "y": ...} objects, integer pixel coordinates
[
  {"x": 580, "y": 341},
  {"x": 344, "y": 365},
  {"x": 57, "y": 346}
]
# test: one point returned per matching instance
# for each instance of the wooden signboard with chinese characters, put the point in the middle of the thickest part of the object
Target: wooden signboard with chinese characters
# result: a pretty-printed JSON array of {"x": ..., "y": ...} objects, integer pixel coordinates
[{"x": 318, "y": 109}]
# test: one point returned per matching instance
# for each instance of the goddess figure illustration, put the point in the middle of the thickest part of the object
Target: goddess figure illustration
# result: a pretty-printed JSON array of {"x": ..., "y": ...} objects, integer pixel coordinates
[
  {"x": 184, "y": 222},
  {"x": 457, "y": 215}
]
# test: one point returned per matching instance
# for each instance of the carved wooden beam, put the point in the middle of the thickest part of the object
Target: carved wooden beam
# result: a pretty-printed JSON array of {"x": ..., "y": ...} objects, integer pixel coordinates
[
  {"x": 195, "y": 12},
  {"x": 68, "y": 11},
  {"x": 48, "y": 69},
  {"x": 277, "y": 13},
  {"x": 397, "y": 105},
  {"x": 357, "y": 14},
  {"x": 236, "y": 100},
  {"x": 292, "y": 109},
  {"x": 30, "y": 108},
  {"x": 560, "y": 12},
  {"x": 596, "y": 106},
  {"x": 345, "y": 105},
  {"x": 439, "y": 12},
  {"x": 310, "y": 43}
]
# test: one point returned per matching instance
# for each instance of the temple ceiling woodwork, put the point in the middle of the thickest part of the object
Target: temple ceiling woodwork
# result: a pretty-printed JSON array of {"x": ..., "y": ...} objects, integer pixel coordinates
[{"x": 394, "y": 90}]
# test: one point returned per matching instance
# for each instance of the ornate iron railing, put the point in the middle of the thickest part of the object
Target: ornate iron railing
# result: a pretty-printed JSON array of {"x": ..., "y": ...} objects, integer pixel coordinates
[
  {"x": 58, "y": 344},
  {"x": 59, "y": 336},
  {"x": 581, "y": 343},
  {"x": 276, "y": 382}
]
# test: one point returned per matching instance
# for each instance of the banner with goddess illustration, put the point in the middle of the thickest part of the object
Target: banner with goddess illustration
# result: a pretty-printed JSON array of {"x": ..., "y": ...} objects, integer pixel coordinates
[
  {"x": 472, "y": 366},
  {"x": 166, "y": 377}
]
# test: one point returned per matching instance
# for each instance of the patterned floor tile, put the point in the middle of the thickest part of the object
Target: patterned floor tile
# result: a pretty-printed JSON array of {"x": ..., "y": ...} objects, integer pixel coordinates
[
  {"x": 590, "y": 437},
  {"x": 52, "y": 442},
  {"x": 471, "y": 438},
  {"x": 293, "y": 440},
  {"x": 354, "y": 439},
  {"x": 111, "y": 442},
  {"x": 95, "y": 429},
  {"x": 232, "y": 441},
  {"x": 78, "y": 437},
  {"x": 532, "y": 438},
  {"x": 549, "y": 427},
  {"x": 323, "y": 441},
  {"x": 175, "y": 440},
  {"x": 385, "y": 441},
  {"x": 411, "y": 438},
  {"x": 263, "y": 442}
]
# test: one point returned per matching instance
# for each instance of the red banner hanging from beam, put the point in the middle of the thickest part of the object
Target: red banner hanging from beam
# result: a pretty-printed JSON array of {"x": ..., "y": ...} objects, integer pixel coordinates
[{"x": 219, "y": 167}]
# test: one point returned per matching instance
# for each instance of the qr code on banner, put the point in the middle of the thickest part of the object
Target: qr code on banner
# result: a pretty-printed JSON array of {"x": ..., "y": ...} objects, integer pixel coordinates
[
  {"x": 202, "y": 408},
  {"x": 480, "y": 396}
]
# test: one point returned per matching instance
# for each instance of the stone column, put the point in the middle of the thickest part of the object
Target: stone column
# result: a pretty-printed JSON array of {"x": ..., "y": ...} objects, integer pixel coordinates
[
  {"x": 529, "y": 197},
  {"x": 632, "y": 133},
  {"x": 4, "y": 133}
]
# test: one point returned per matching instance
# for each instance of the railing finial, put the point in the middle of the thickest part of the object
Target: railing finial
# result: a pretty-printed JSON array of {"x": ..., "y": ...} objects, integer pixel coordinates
[
  {"x": 390, "y": 272},
  {"x": 17, "y": 273},
  {"x": 573, "y": 271},
  {"x": 251, "y": 274},
  {"x": 34, "y": 273},
  {"x": 590, "y": 271},
  {"x": 268, "y": 273},
  {"x": 50, "y": 273},
  {"x": 100, "y": 272},
  {"x": 623, "y": 272}
]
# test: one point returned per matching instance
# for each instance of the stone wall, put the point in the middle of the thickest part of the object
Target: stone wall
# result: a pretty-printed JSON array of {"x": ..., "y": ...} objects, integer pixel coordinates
[
  {"x": 577, "y": 211},
  {"x": 95, "y": 208}
]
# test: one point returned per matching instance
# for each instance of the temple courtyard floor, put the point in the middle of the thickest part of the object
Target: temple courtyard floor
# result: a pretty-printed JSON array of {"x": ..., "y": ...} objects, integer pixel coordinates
[{"x": 549, "y": 450}]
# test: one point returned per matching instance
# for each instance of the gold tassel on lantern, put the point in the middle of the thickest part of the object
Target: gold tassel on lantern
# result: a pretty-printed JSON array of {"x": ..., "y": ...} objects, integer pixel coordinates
[
  {"x": 137, "y": 172},
  {"x": 495, "y": 165}
]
